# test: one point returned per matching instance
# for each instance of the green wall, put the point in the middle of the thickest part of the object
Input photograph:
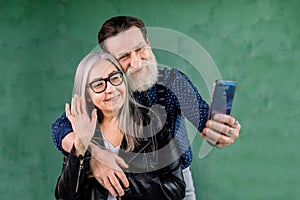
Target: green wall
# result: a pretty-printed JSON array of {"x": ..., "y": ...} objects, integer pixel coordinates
[{"x": 254, "y": 42}]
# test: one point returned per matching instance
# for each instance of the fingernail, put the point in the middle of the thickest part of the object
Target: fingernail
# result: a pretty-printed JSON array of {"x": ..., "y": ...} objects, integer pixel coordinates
[{"x": 217, "y": 117}]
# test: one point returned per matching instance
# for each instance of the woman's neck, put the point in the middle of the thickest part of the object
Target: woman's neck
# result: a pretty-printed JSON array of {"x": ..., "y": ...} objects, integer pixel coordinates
[
  {"x": 110, "y": 129},
  {"x": 109, "y": 116}
]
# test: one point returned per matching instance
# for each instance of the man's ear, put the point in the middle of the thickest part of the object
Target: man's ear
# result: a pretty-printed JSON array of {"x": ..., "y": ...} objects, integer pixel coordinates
[{"x": 148, "y": 42}]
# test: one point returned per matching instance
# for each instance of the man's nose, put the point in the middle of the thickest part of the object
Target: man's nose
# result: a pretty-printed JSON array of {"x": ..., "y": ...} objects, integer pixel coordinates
[{"x": 135, "y": 60}]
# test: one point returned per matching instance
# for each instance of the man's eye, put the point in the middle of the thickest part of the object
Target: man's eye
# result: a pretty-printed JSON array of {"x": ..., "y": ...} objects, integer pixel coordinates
[
  {"x": 139, "y": 49},
  {"x": 123, "y": 58}
]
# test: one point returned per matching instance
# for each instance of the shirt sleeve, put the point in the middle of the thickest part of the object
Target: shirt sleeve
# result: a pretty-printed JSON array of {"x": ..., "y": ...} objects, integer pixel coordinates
[
  {"x": 183, "y": 101},
  {"x": 60, "y": 128},
  {"x": 188, "y": 99}
]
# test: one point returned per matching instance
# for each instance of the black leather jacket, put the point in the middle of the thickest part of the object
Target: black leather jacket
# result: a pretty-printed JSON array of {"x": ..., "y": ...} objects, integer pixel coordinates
[{"x": 154, "y": 173}]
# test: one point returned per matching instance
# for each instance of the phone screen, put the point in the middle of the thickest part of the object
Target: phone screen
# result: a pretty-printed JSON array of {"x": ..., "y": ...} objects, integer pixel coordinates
[{"x": 223, "y": 94}]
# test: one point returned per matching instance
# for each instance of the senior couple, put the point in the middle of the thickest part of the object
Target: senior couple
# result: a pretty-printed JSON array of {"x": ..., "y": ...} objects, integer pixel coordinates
[{"x": 124, "y": 135}]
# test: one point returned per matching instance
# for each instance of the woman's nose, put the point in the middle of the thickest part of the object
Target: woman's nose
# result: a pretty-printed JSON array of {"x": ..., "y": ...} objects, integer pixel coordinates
[{"x": 109, "y": 87}]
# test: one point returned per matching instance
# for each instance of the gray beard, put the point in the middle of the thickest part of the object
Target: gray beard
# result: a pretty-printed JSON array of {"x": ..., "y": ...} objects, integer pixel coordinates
[{"x": 144, "y": 82}]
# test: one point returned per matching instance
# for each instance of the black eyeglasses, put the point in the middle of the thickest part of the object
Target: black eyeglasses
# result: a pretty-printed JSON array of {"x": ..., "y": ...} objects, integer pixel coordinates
[{"x": 100, "y": 85}]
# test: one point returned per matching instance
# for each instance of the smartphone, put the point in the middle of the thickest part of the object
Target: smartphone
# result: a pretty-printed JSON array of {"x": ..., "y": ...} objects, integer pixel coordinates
[{"x": 223, "y": 94}]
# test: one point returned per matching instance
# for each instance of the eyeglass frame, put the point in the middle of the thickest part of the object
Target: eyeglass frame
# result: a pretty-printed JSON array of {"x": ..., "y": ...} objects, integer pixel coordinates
[{"x": 107, "y": 79}]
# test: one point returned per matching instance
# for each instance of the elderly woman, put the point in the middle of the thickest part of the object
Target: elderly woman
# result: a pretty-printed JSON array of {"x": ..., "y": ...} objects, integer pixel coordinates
[{"x": 107, "y": 121}]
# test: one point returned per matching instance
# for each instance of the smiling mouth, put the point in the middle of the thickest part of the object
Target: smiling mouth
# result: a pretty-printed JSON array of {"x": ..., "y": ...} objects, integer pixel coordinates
[
  {"x": 139, "y": 70},
  {"x": 113, "y": 98}
]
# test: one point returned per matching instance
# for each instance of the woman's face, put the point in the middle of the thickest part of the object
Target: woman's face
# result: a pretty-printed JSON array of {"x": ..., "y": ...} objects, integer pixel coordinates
[{"x": 113, "y": 97}]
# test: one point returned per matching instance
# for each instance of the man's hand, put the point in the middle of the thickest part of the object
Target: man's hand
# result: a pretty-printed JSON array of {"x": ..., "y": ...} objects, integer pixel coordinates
[
  {"x": 222, "y": 130},
  {"x": 106, "y": 168}
]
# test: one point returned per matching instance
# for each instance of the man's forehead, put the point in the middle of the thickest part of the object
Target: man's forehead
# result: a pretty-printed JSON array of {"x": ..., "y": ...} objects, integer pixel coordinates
[{"x": 125, "y": 41}]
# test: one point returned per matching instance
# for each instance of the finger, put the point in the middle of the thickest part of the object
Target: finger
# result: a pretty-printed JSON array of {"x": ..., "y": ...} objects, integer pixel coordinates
[
  {"x": 121, "y": 162},
  {"x": 73, "y": 106},
  {"x": 94, "y": 116},
  {"x": 218, "y": 138},
  {"x": 211, "y": 135},
  {"x": 202, "y": 135},
  {"x": 116, "y": 184},
  {"x": 223, "y": 144},
  {"x": 68, "y": 113},
  {"x": 224, "y": 140},
  {"x": 236, "y": 131},
  {"x": 93, "y": 122},
  {"x": 83, "y": 104},
  {"x": 236, "y": 122},
  {"x": 123, "y": 179},
  {"x": 220, "y": 145},
  {"x": 92, "y": 126},
  {"x": 78, "y": 106},
  {"x": 236, "y": 126},
  {"x": 211, "y": 141},
  {"x": 100, "y": 172},
  {"x": 218, "y": 127},
  {"x": 67, "y": 110},
  {"x": 106, "y": 184},
  {"x": 225, "y": 119}
]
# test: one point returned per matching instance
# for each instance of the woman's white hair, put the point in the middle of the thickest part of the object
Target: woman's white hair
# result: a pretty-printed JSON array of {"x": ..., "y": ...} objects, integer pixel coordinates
[{"x": 129, "y": 117}]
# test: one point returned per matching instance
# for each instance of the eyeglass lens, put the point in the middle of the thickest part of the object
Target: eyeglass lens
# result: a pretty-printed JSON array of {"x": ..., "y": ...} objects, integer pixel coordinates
[{"x": 100, "y": 85}]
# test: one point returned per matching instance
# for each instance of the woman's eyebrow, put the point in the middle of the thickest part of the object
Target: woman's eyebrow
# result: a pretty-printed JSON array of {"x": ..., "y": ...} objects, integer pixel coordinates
[
  {"x": 114, "y": 71},
  {"x": 98, "y": 79}
]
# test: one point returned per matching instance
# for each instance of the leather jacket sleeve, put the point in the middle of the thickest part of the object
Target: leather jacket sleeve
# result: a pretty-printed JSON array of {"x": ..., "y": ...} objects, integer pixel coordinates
[{"x": 70, "y": 184}]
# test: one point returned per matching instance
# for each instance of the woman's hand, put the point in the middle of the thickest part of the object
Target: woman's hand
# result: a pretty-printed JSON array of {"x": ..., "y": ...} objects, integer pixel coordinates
[{"x": 82, "y": 124}]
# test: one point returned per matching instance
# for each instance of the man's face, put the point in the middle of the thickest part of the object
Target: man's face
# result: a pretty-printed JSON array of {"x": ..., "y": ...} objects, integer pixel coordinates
[{"x": 135, "y": 57}]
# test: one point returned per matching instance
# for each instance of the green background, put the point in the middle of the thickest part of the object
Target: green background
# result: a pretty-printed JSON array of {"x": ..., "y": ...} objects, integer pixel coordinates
[{"x": 255, "y": 43}]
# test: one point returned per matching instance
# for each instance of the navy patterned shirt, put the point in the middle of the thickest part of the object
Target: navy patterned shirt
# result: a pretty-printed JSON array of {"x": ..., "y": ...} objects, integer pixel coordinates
[{"x": 179, "y": 98}]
